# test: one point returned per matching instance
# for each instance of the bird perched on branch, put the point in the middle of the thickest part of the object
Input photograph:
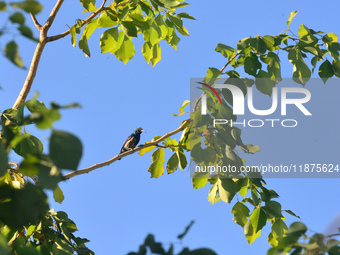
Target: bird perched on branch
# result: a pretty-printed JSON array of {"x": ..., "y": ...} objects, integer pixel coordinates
[{"x": 132, "y": 141}]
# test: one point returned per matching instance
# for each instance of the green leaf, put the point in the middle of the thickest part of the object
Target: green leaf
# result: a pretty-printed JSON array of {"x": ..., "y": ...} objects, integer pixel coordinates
[
  {"x": 11, "y": 51},
  {"x": 291, "y": 213},
  {"x": 137, "y": 18},
  {"x": 177, "y": 21},
  {"x": 58, "y": 195},
  {"x": 145, "y": 150},
  {"x": 180, "y": 236},
  {"x": 182, "y": 159},
  {"x": 296, "y": 229},
  {"x": 3, "y": 159},
  {"x": 181, "y": 109},
  {"x": 185, "y": 15},
  {"x": 252, "y": 43},
  {"x": 90, "y": 28},
  {"x": 146, "y": 9},
  {"x": 111, "y": 40},
  {"x": 250, "y": 233},
  {"x": 23, "y": 206},
  {"x": 172, "y": 164},
  {"x": 29, "y": 6},
  {"x": 28, "y": 144},
  {"x": 126, "y": 51},
  {"x": 156, "y": 168},
  {"x": 278, "y": 229},
  {"x": 27, "y": 32},
  {"x": 303, "y": 31},
  {"x": 46, "y": 118},
  {"x": 147, "y": 51},
  {"x": 251, "y": 148},
  {"x": 62, "y": 247},
  {"x": 326, "y": 71},
  {"x": 172, "y": 37},
  {"x": 30, "y": 230},
  {"x": 314, "y": 61},
  {"x": 301, "y": 72},
  {"x": 3, "y": 6},
  {"x": 30, "y": 165},
  {"x": 156, "y": 54},
  {"x": 212, "y": 75},
  {"x": 336, "y": 67},
  {"x": 225, "y": 50},
  {"x": 212, "y": 196},
  {"x": 4, "y": 247},
  {"x": 107, "y": 19},
  {"x": 170, "y": 3},
  {"x": 151, "y": 32},
  {"x": 273, "y": 208},
  {"x": 73, "y": 36},
  {"x": 49, "y": 175},
  {"x": 330, "y": 38},
  {"x": 162, "y": 26},
  {"x": 252, "y": 64},
  {"x": 270, "y": 42},
  {"x": 263, "y": 83},
  {"x": 122, "y": 15},
  {"x": 199, "y": 179},
  {"x": 242, "y": 186},
  {"x": 226, "y": 189},
  {"x": 333, "y": 50},
  {"x": 129, "y": 28},
  {"x": 84, "y": 46},
  {"x": 265, "y": 194},
  {"x": 65, "y": 150},
  {"x": 258, "y": 219},
  {"x": 18, "y": 18},
  {"x": 241, "y": 212},
  {"x": 89, "y": 5},
  {"x": 291, "y": 17}
]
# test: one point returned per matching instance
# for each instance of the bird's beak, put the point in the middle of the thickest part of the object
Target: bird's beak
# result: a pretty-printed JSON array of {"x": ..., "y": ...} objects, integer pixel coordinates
[{"x": 143, "y": 131}]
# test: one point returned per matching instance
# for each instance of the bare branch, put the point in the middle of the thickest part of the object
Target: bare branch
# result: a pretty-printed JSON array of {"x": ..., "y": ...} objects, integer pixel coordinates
[
  {"x": 229, "y": 61},
  {"x": 37, "y": 54},
  {"x": 31, "y": 73},
  {"x": 91, "y": 17},
  {"x": 36, "y": 23},
  {"x": 53, "y": 13},
  {"x": 110, "y": 161}
]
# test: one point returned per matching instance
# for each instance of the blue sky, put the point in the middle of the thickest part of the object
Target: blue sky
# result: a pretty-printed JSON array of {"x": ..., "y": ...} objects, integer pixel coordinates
[{"x": 117, "y": 206}]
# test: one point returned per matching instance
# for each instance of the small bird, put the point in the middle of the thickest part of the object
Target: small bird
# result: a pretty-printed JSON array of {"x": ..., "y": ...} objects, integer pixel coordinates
[{"x": 132, "y": 141}]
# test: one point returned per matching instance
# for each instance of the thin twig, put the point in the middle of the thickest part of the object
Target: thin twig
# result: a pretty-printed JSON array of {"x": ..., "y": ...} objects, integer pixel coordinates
[
  {"x": 91, "y": 17},
  {"x": 122, "y": 155},
  {"x": 36, "y": 23},
  {"x": 229, "y": 61},
  {"x": 53, "y": 14}
]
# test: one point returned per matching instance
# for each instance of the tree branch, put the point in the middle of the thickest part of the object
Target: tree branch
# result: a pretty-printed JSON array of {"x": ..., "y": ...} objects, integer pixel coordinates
[
  {"x": 53, "y": 14},
  {"x": 31, "y": 73},
  {"x": 91, "y": 17},
  {"x": 37, "y": 54},
  {"x": 36, "y": 23},
  {"x": 229, "y": 61},
  {"x": 122, "y": 155},
  {"x": 222, "y": 69}
]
